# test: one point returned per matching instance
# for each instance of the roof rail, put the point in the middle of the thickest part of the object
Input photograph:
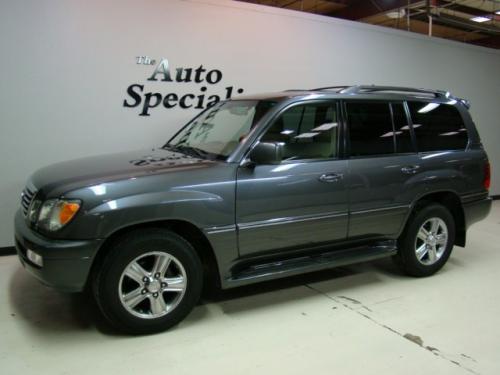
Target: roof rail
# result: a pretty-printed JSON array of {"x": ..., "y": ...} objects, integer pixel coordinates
[
  {"x": 338, "y": 88},
  {"x": 357, "y": 89},
  {"x": 395, "y": 89}
]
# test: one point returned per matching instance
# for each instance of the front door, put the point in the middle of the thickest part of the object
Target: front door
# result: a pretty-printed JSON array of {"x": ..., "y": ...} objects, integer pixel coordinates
[{"x": 303, "y": 200}]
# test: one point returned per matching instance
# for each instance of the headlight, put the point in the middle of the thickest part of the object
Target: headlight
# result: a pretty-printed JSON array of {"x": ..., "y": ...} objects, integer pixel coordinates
[{"x": 56, "y": 213}]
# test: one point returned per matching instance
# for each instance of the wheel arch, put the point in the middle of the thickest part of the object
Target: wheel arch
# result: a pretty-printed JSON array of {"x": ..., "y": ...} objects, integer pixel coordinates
[
  {"x": 183, "y": 228},
  {"x": 452, "y": 202}
]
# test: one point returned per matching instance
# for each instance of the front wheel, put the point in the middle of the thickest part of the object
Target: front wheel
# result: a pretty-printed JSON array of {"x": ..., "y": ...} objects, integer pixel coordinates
[
  {"x": 427, "y": 241},
  {"x": 149, "y": 281}
]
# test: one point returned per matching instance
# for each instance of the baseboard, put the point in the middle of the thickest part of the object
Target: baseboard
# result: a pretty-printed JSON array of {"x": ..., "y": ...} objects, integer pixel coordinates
[
  {"x": 495, "y": 197},
  {"x": 9, "y": 250}
]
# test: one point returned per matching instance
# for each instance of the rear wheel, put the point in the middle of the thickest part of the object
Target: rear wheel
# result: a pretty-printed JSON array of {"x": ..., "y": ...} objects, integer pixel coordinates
[
  {"x": 427, "y": 241},
  {"x": 149, "y": 281}
]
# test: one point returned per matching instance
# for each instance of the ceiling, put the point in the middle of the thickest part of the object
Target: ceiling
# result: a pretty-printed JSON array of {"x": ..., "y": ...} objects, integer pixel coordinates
[{"x": 469, "y": 21}]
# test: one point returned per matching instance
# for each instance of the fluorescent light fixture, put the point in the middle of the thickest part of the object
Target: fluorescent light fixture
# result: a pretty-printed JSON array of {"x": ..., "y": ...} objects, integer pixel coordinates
[
  {"x": 326, "y": 126},
  {"x": 287, "y": 132},
  {"x": 390, "y": 134},
  {"x": 407, "y": 127},
  {"x": 448, "y": 134},
  {"x": 98, "y": 189},
  {"x": 306, "y": 135},
  {"x": 400, "y": 13},
  {"x": 480, "y": 19},
  {"x": 283, "y": 167},
  {"x": 429, "y": 107}
]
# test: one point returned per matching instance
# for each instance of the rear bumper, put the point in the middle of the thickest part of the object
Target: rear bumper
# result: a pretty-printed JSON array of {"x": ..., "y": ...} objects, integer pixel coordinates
[
  {"x": 476, "y": 211},
  {"x": 66, "y": 263}
]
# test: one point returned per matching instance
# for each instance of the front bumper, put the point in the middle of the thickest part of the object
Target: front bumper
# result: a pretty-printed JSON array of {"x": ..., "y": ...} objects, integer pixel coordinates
[{"x": 66, "y": 263}]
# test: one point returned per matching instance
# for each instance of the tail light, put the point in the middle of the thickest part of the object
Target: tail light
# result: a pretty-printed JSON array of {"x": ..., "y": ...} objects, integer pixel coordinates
[{"x": 487, "y": 176}]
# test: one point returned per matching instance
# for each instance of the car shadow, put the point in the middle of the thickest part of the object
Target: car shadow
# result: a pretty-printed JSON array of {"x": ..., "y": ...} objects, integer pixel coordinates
[{"x": 49, "y": 312}]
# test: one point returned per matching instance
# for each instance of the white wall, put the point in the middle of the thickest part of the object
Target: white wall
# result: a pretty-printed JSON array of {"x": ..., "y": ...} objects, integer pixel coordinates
[{"x": 65, "y": 67}]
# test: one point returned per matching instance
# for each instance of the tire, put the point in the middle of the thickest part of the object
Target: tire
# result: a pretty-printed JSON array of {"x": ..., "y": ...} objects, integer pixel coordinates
[
  {"x": 148, "y": 282},
  {"x": 433, "y": 250}
]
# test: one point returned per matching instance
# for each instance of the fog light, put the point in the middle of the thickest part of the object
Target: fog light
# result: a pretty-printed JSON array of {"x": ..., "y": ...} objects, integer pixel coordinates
[{"x": 35, "y": 258}]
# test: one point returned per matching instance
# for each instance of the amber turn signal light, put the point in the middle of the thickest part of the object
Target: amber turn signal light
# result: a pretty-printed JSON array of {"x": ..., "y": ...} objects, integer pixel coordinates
[{"x": 67, "y": 211}]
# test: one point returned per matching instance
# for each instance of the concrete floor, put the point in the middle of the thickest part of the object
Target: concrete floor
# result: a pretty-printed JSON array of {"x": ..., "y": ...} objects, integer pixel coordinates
[{"x": 364, "y": 319}]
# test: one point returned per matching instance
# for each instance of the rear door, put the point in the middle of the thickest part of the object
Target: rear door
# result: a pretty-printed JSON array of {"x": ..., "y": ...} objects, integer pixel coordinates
[
  {"x": 383, "y": 165},
  {"x": 303, "y": 200}
]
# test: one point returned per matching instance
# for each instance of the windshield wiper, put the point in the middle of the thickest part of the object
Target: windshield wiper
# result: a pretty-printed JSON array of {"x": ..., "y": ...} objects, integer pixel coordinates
[{"x": 192, "y": 151}]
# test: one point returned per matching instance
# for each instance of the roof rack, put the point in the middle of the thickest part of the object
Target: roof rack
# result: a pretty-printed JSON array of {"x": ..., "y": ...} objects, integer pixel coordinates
[
  {"x": 336, "y": 88},
  {"x": 357, "y": 89}
]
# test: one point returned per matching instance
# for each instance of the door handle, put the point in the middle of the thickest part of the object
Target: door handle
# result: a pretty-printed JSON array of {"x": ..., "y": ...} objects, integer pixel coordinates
[
  {"x": 410, "y": 169},
  {"x": 331, "y": 177}
]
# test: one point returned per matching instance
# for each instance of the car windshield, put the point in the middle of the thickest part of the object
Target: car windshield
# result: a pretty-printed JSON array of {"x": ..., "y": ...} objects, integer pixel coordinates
[{"x": 216, "y": 133}]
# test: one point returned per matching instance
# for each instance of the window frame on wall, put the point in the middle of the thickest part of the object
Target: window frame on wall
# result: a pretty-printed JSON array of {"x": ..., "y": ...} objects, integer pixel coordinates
[
  {"x": 390, "y": 104},
  {"x": 335, "y": 103}
]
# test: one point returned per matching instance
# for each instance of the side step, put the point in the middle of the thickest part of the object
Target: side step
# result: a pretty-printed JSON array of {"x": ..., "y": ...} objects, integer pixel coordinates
[{"x": 303, "y": 264}]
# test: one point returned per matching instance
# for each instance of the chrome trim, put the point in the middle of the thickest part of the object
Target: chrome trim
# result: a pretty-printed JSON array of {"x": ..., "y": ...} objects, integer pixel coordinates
[
  {"x": 466, "y": 198},
  {"x": 27, "y": 198},
  {"x": 221, "y": 229},
  {"x": 381, "y": 209},
  {"x": 287, "y": 220}
]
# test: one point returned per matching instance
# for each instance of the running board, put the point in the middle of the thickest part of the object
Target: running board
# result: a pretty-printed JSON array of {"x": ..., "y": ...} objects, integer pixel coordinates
[{"x": 317, "y": 262}]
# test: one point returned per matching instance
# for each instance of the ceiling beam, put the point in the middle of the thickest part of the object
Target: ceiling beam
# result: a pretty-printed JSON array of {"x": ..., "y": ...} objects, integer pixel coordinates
[
  {"x": 358, "y": 9},
  {"x": 453, "y": 5},
  {"x": 492, "y": 42},
  {"x": 461, "y": 23}
]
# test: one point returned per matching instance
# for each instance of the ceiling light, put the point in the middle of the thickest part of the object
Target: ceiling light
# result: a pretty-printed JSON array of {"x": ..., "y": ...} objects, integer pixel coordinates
[
  {"x": 400, "y": 13},
  {"x": 429, "y": 107},
  {"x": 480, "y": 19}
]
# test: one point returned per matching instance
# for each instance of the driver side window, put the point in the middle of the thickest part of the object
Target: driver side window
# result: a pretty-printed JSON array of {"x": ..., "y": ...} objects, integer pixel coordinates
[{"x": 307, "y": 131}]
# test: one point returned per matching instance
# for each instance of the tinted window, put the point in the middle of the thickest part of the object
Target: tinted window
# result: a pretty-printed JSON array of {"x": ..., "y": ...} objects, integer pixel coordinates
[
  {"x": 402, "y": 129},
  {"x": 306, "y": 131},
  {"x": 437, "y": 126},
  {"x": 370, "y": 128}
]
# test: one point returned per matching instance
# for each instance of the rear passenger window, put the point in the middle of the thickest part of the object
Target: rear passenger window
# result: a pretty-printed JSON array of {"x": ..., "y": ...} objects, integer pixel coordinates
[
  {"x": 401, "y": 129},
  {"x": 437, "y": 126},
  {"x": 306, "y": 131},
  {"x": 370, "y": 128}
]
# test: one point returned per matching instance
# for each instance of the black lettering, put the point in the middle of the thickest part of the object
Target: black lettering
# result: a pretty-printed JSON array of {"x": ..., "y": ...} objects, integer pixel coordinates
[
  {"x": 170, "y": 100},
  {"x": 211, "y": 79},
  {"x": 199, "y": 71},
  {"x": 148, "y": 104},
  {"x": 187, "y": 76},
  {"x": 139, "y": 163},
  {"x": 201, "y": 98},
  {"x": 182, "y": 101},
  {"x": 229, "y": 92},
  {"x": 162, "y": 68},
  {"x": 134, "y": 95},
  {"x": 240, "y": 91},
  {"x": 212, "y": 100}
]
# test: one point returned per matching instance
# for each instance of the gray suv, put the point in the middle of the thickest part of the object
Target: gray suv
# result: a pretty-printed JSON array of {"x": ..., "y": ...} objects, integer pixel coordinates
[{"x": 255, "y": 189}]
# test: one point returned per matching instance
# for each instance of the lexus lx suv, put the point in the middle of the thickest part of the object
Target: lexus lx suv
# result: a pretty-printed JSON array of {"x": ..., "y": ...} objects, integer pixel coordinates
[{"x": 259, "y": 188}]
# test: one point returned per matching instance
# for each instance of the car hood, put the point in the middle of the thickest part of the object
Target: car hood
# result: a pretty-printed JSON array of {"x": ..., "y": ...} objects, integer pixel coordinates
[{"x": 73, "y": 174}]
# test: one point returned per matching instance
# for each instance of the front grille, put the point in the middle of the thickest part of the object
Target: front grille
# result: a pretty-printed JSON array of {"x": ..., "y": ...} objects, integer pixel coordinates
[{"x": 26, "y": 198}]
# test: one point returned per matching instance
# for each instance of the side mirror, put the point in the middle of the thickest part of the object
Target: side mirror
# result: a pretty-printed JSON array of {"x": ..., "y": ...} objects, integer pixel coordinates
[{"x": 266, "y": 153}]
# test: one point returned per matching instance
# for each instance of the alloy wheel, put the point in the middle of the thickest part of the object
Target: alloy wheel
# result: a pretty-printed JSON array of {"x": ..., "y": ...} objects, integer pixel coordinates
[
  {"x": 152, "y": 285},
  {"x": 431, "y": 241}
]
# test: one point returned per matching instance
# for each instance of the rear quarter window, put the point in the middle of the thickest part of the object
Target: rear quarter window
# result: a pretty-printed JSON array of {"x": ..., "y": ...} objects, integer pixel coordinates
[{"x": 437, "y": 126}]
